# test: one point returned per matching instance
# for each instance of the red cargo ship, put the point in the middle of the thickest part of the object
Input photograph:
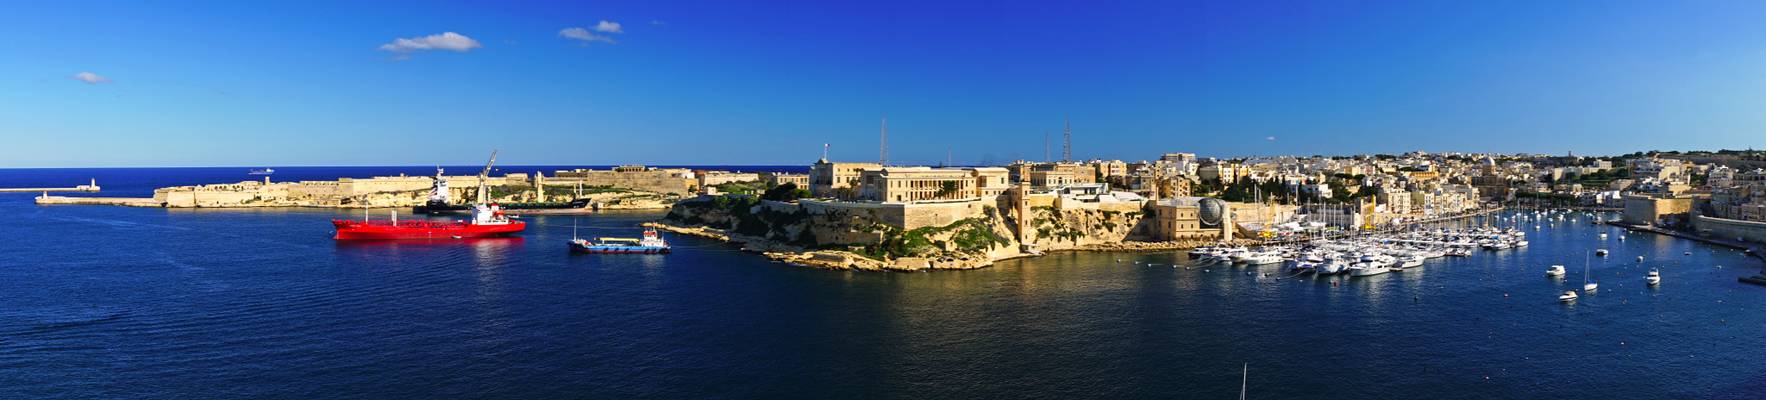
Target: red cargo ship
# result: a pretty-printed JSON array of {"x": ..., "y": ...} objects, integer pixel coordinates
[{"x": 487, "y": 221}]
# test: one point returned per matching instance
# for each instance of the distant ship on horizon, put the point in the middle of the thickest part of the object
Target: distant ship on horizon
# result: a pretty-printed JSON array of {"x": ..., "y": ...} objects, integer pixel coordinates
[{"x": 261, "y": 171}]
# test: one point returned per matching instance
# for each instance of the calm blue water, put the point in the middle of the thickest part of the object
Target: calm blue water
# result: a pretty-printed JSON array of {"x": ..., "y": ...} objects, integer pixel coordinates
[{"x": 111, "y": 302}]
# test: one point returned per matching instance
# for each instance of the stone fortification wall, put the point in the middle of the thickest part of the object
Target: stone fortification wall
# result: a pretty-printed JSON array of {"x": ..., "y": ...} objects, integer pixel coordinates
[
  {"x": 1731, "y": 229},
  {"x": 905, "y": 216},
  {"x": 656, "y": 181}
]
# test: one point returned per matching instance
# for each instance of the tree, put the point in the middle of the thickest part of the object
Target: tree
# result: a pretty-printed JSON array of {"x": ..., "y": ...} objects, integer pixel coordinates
[
  {"x": 946, "y": 188},
  {"x": 786, "y": 192}
]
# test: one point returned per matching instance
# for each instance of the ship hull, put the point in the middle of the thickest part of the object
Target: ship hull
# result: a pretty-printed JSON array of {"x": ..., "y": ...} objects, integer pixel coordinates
[{"x": 358, "y": 230}]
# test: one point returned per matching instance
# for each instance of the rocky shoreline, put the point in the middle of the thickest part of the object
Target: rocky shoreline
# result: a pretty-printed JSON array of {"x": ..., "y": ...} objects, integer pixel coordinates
[{"x": 845, "y": 260}]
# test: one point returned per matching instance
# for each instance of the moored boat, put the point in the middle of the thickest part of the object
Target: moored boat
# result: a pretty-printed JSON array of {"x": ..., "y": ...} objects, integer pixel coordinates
[{"x": 651, "y": 243}]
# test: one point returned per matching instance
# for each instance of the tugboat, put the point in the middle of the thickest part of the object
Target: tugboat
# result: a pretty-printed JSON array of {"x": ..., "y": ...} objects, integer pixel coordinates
[
  {"x": 486, "y": 221},
  {"x": 651, "y": 243},
  {"x": 438, "y": 198}
]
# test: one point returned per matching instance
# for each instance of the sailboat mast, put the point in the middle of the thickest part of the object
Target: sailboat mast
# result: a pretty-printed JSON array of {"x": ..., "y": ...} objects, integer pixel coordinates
[{"x": 1244, "y": 379}]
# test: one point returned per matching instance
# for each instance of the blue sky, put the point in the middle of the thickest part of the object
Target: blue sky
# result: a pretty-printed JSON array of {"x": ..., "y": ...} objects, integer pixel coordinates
[{"x": 325, "y": 83}]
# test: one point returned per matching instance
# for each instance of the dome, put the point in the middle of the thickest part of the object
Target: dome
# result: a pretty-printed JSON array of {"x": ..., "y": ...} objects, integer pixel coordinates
[{"x": 1212, "y": 211}]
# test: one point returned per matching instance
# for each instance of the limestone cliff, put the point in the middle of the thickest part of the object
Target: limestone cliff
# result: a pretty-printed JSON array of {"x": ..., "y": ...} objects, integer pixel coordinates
[{"x": 951, "y": 235}]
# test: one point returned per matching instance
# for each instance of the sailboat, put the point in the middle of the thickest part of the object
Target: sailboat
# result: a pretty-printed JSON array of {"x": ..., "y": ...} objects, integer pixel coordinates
[{"x": 1588, "y": 283}]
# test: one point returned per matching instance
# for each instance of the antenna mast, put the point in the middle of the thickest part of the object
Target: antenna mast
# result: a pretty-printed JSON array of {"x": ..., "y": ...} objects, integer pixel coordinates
[
  {"x": 883, "y": 151},
  {"x": 1067, "y": 141}
]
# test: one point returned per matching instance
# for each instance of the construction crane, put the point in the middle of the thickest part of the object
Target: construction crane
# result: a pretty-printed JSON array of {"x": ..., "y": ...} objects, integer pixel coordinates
[{"x": 483, "y": 177}]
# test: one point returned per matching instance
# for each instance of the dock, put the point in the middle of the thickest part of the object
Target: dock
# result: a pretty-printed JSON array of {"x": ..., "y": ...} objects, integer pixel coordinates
[
  {"x": 89, "y": 188},
  {"x": 100, "y": 201}
]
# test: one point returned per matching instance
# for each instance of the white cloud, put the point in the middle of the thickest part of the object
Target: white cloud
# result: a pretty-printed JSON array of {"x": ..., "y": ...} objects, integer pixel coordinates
[
  {"x": 584, "y": 35},
  {"x": 608, "y": 27},
  {"x": 90, "y": 78},
  {"x": 443, "y": 41}
]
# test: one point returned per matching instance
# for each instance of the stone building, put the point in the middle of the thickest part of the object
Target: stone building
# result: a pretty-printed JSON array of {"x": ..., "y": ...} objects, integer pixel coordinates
[
  {"x": 1188, "y": 218},
  {"x": 1656, "y": 210},
  {"x": 912, "y": 184},
  {"x": 778, "y": 178},
  {"x": 714, "y": 178},
  {"x": 837, "y": 179},
  {"x": 1053, "y": 175}
]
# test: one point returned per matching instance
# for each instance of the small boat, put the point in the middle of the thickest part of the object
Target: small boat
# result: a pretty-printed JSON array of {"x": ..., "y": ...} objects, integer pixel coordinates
[
  {"x": 1410, "y": 261},
  {"x": 1371, "y": 267},
  {"x": 1639, "y": 258},
  {"x": 1262, "y": 258},
  {"x": 261, "y": 171},
  {"x": 1654, "y": 277},
  {"x": 1603, "y": 236},
  {"x": 1555, "y": 270},
  {"x": 651, "y": 243},
  {"x": 1600, "y": 252},
  {"x": 1568, "y": 296}
]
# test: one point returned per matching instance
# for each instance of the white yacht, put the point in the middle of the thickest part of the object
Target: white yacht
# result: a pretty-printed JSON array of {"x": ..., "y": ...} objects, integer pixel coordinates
[
  {"x": 1372, "y": 265},
  {"x": 1654, "y": 277},
  {"x": 1603, "y": 236},
  {"x": 1555, "y": 271},
  {"x": 1568, "y": 296},
  {"x": 1411, "y": 261},
  {"x": 1261, "y": 258}
]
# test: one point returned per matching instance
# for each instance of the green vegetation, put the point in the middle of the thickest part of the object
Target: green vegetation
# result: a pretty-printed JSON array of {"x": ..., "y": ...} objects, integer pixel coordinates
[
  {"x": 1602, "y": 178},
  {"x": 971, "y": 235},
  {"x": 946, "y": 188},
  {"x": 786, "y": 192},
  {"x": 1247, "y": 191},
  {"x": 588, "y": 190},
  {"x": 751, "y": 187}
]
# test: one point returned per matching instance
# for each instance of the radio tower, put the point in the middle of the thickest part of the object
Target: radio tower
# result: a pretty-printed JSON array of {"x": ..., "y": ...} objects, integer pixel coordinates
[
  {"x": 1067, "y": 141},
  {"x": 883, "y": 151}
]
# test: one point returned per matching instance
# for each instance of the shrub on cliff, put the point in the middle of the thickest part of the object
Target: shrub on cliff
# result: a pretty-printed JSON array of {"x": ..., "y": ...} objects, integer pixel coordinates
[{"x": 787, "y": 192}]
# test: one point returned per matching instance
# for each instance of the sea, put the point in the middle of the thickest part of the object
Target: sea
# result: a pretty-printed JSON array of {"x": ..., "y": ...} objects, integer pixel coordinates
[{"x": 101, "y": 302}]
